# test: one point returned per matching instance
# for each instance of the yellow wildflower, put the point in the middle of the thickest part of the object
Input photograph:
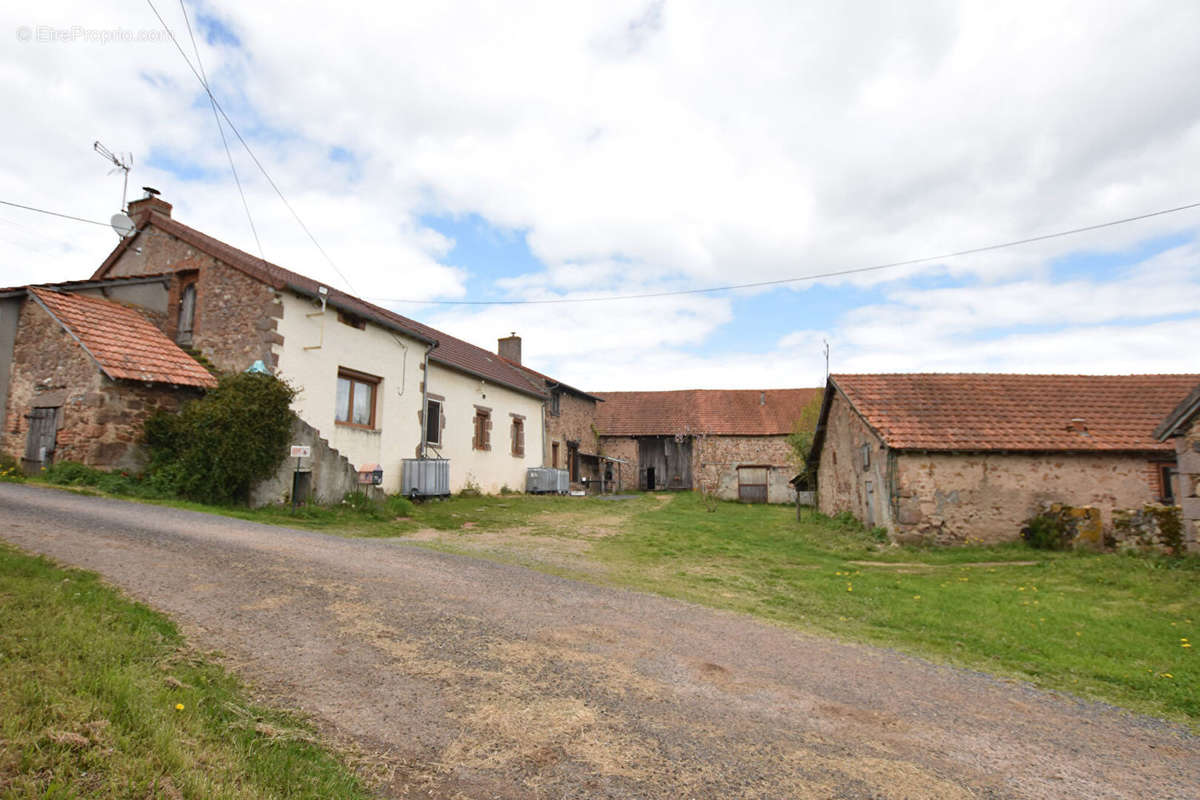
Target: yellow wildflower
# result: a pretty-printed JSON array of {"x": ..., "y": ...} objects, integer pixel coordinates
[{"x": 179, "y": 706}]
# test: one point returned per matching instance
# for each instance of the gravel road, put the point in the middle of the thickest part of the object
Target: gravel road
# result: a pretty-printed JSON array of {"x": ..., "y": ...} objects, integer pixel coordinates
[{"x": 480, "y": 680}]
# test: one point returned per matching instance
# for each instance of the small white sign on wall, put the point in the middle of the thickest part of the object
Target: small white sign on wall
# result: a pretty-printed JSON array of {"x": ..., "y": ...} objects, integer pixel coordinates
[{"x": 301, "y": 451}]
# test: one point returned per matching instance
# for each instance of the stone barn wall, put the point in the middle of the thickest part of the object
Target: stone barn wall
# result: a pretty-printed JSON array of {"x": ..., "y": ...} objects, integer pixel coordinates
[
  {"x": 1187, "y": 450},
  {"x": 955, "y": 497},
  {"x": 718, "y": 458},
  {"x": 843, "y": 480},
  {"x": 626, "y": 449}
]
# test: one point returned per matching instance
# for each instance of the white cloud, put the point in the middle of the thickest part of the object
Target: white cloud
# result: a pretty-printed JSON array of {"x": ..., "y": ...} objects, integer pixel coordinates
[{"x": 649, "y": 145}]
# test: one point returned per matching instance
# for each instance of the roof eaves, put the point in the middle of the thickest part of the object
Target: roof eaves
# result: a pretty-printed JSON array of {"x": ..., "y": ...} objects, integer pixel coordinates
[{"x": 1174, "y": 422}]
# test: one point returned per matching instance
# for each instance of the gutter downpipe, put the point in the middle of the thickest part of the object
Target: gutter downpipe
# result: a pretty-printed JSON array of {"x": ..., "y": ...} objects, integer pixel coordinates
[{"x": 425, "y": 401}]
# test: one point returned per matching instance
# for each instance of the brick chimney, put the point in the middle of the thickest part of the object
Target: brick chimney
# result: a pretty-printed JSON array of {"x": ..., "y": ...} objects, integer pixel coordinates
[
  {"x": 510, "y": 347},
  {"x": 140, "y": 209}
]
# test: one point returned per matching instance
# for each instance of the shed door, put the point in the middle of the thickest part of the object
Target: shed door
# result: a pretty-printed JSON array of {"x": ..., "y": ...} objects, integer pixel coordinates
[
  {"x": 752, "y": 484},
  {"x": 43, "y": 427}
]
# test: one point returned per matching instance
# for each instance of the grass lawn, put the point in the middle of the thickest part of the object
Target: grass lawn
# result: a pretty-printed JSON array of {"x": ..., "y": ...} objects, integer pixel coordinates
[
  {"x": 1118, "y": 628},
  {"x": 100, "y": 697}
]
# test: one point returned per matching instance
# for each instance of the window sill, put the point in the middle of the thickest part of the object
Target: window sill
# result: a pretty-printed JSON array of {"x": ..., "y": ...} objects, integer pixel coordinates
[{"x": 350, "y": 426}]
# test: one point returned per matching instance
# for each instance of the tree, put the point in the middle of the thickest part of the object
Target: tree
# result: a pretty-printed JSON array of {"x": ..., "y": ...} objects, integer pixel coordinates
[{"x": 801, "y": 437}]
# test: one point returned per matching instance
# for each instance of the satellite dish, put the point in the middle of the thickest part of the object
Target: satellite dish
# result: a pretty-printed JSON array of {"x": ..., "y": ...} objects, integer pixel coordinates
[{"x": 122, "y": 224}]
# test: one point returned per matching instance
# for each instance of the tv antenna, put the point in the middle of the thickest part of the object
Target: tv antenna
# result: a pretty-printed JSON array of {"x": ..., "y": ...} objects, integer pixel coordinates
[
  {"x": 121, "y": 223},
  {"x": 120, "y": 164},
  {"x": 826, "y": 348}
]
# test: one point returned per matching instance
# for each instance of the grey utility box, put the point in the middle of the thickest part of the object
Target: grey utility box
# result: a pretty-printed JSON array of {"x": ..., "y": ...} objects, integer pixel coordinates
[
  {"x": 546, "y": 480},
  {"x": 425, "y": 477}
]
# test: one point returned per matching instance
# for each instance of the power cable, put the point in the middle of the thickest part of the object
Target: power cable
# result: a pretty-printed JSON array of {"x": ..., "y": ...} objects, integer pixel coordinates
[
  {"x": 55, "y": 213},
  {"x": 249, "y": 152},
  {"x": 798, "y": 279},
  {"x": 221, "y": 129}
]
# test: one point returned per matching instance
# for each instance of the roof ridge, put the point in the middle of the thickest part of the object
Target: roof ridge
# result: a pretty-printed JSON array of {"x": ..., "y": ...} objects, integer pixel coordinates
[{"x": 281, "y": 277}]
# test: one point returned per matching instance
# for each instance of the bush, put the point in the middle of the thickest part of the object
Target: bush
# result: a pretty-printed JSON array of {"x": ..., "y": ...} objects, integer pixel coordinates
[
  {"x": 216, "y": 448},
  {"x": 386, "y": 508},
  {"x": 1047, "y": 532},
  {"x": 72, "y": 473}
]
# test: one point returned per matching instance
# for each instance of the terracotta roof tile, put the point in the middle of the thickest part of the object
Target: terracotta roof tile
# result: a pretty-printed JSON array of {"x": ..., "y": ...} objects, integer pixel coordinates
[
  {"x": 451, "y": 351},
  {"x": 719, "y": 412},
  {"x": 974, "y": 411},
  {"x": 124, "y": 343}
]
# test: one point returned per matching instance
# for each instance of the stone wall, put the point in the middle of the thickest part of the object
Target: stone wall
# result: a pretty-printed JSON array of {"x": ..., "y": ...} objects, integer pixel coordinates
[
  {"x": 575, "y": 422},
  {"x": 331, "y": 476},
  {"x": 1187, "y": 452},
  {"x": 101, "y": 420},
  {"x": 1152, "y": 527},
  {"x": 236, "y": 316},
  {"x": 844, "y": 481},
  {"x": 626, "y": 449},
  {"x": 717, "y": 459},
  {"x": 954, "y": 498}
]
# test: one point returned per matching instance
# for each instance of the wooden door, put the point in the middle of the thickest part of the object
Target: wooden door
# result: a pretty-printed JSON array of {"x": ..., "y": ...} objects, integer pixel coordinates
[
  {"x": 43, "y": 429},
  {"x": 752, "y": 484}
]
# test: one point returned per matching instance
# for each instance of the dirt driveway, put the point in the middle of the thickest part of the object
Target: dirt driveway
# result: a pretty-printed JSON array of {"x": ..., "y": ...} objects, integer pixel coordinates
[{"x": 482, "y": 680}]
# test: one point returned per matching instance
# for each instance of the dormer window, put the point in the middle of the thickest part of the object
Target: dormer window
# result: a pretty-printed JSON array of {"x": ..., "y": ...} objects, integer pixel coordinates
[{"x": 187, "y": 314}]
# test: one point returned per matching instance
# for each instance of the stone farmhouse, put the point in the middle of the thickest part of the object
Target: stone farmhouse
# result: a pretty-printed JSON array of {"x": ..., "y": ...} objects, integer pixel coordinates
[
  {"x": 378, "y": 386},
  {"x": 732, "y": 443},
  {"x": 1182, "y": 426},
  {"x": 950, "y": 457}
]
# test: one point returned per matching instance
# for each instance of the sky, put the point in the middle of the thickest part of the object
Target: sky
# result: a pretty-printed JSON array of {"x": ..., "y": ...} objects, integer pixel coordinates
[{"x": 562, "y": 150}]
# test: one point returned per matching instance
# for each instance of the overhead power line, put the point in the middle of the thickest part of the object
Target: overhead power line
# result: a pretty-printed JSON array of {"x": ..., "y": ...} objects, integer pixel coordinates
[
  {"x": 54, "y": 213},
  {"x": 782, "y": 281},
  {"x": 250, "y": 152},
  {"x": 221, "y": 129}
]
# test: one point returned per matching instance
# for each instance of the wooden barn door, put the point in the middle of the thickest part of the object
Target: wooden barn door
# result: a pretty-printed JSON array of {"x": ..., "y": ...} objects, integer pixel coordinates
[
  {"x": 39, "y": 445},
  {"x": 752, "y": 484}
]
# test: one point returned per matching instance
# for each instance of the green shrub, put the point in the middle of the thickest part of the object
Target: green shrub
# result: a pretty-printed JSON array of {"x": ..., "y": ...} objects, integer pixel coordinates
[
  {"x": 397, "y": 505},
  {"x": 217, "y": 447},
  {"x": 1047, "y": 532},
  {"x": 378, "y": 508},
  {"x": 72, "y": 473}
]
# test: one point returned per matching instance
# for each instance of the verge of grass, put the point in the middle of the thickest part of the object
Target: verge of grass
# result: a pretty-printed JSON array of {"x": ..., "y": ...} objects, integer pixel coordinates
[{"x": 102, "y": 698}]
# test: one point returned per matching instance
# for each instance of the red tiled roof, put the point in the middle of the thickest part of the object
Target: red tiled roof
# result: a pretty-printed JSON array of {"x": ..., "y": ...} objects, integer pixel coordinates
[
  {"x": 719, "y": 412},
  {"x": 974, "y": 412},
  {"x": 450, "y": 351},
  {"x": 123, "y": 342}
]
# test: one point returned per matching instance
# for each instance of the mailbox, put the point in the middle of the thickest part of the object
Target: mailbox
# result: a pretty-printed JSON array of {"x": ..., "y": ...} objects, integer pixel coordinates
[{"x": 370, "y": 474}]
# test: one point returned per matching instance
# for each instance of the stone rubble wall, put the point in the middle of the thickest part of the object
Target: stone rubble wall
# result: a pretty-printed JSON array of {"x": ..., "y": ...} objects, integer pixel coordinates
[
  {"x": 1152, "y": 527},
  {"x": 956, "y": 498},
  {"x": 1187, "y": 450},
  {"x": 717, "y": 459},
  {"x": 236, "y": 316}
]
